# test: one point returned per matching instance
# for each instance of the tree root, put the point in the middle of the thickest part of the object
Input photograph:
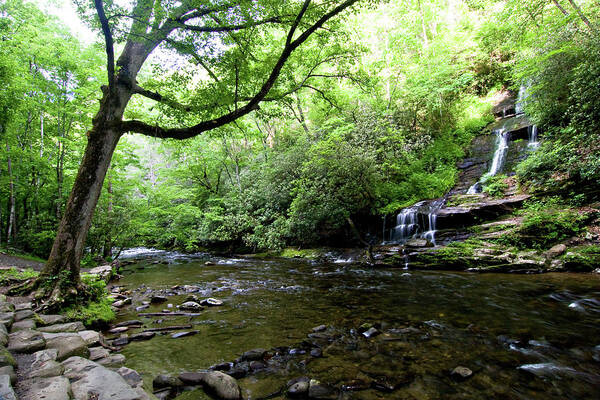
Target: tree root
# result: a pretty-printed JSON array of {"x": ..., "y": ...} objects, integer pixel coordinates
[
  {"x": 49, "y": 296},
  {"x": 23, "y": 287}
]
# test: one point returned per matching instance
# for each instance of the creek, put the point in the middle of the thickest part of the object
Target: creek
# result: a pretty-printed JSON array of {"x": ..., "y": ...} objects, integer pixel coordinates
[{"x": 523, "y": 336}]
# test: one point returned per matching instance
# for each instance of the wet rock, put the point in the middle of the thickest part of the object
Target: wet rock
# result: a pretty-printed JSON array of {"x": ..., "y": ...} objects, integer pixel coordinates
[
  {"x": 157, "y": 299},
  {"x": 55, "y": 388},
  {"x": 257, "y": 366},
  {"x": 183, "y": 334},
  {"x": 140, "y": 308},
  {"x": 221, "y": 385},
  {"x": 68, "y": 347},
  {"x": 122, "y": 341},
  {"x": 298, "y": 387},
  {"x": 191, "y": 378},
  {"x": 371, "y": 332},
  {"x": 209, "y": 263},
  {"x": 319, "y": 328},
  {"x": 555, "y": 251},
  {"x": 26, "y": 341},
  {"x": 10, "y": 371},
  {"x": 461, "y": 373},
  {"x": 112, "y": 361},
  {"x": 89, "y": 377},
  {"x": 239, "y": 370},
  {"x": 317, "y": 390},
  {"x": 6, "y": 390},
  {"x": 142, "y": 336},
  {"x": 6, "y": 359},
  {"x": 131, "y": 376},
  {"x": 133, "y": 322},
  {"x": 317, "y": 352},
  {"x": 119, "y": 329},
  {"x": 23, "y": 314},
  {"x": 419, "y": 243},
  {"x": 190, "y": 306},
  {"x": 254, "y": 355},
  {"x": 222, "y": 367},
  {"x": 23, "y": 325},
  {"x": 211, "y": 302},
  {"x": 68, "y": 327},
  {"x": 97, "y": 353},
  {"x": 51, "y": 319},
  {"x": 164, "y": 381}
]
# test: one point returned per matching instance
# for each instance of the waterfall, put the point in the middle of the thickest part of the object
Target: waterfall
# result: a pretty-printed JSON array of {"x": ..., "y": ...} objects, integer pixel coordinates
[
  {"x": 502, "y": 138},
  {"x": 533, "y": 136},
  {"x": 417, "y": 221},
  {"x": 519, "y": 105}
]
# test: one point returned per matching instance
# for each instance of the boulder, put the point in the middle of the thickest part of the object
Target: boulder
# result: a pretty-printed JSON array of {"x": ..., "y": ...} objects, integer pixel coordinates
[
  {"x": 56, "y": 388},
  {"x": 555, "y": 251},
  {"x": 6, "y": 390},
  {"x": 68, "y": 346},
  {"x": 68, "y": 327},
  {"x": 23, "y": 325},
  {"x": 221, "y": 385},
  {"x": 254, "y": 355},
  {"x": 104, "y": 272},
  {"x": 90, "y": 378},
  {"x": 26, "y": 341},
  {"x": 211, "y": 302},
  {"x": 298, "y": 387},
  {"x": 164, "y": 381},
  {"x": 10, "y": 371},
  {"x": 190, "y": 306}
]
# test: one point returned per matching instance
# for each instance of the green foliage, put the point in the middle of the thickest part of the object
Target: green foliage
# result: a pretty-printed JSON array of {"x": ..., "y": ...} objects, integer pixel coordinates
[
  {"x": 13, "y": 274},
  {"x": 96, "y": 310},
  {"x": 495, "y": 186}
]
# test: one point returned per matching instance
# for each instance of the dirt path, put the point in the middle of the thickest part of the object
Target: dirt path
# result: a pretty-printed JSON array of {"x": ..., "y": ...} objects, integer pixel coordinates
[{"x": 7, "y": 260}]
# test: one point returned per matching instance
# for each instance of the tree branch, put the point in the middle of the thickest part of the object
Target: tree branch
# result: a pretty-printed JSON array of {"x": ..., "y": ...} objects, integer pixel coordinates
[
  {"x": 160, "y": 98},
  {"x": 253, "y": 104},
  {"x": 110, "y": 50},
  {"x": 227, "y": 28}
]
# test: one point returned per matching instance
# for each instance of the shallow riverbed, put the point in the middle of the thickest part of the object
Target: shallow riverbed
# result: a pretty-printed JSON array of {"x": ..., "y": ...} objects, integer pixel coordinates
[{"x": 524, "y": 337}]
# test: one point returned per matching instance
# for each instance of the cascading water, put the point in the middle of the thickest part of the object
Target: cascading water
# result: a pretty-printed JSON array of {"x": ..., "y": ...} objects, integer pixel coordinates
[
  {"x": 533, "y": 136},
  {"x": 519, "y": 105},
  {"x": 502, "y": 138},
  {"x": 417, "y": 221}
]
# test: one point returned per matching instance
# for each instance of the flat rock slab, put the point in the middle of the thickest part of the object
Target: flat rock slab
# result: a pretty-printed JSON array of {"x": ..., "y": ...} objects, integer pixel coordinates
[
  {"x": 6, "y": 390},
  {"x": 97, "y": 353},
  {"x": 47, "y": 369},
  {"x": 90, "y": 378},
  {"x": 68, "y": 346},
  {"x": 56, "y": 388},
  {"x": 23, "y": 314},
  {"x": 23, "y": 306},
  {"x": 22, "y": 325},
  {"x": 68, "y": 327},
  {"x": 112, "y": 361},
  {"x": 26, "y": 341},
  {"x": 52, "y": 319}
]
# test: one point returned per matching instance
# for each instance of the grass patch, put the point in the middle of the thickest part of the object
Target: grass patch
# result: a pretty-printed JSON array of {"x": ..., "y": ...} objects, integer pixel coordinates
[
  {"x": 96, "y": 311},
  {"x": 10, "y": 275},
  {"x": 300, "y": 253}
]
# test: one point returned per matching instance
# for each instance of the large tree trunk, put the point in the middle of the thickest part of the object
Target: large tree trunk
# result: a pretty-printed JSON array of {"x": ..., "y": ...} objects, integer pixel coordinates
[{"x": 12, "y": 219}]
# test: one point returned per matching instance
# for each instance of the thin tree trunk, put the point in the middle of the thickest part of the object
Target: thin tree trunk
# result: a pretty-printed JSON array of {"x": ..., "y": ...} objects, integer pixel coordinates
[
  {"x": 582, "y": 16},
  {"x": 11, "y": 213},
  {"x": 557, "y": 4}
]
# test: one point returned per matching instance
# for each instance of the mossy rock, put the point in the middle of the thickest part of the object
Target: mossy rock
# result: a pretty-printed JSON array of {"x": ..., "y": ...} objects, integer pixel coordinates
[{"x": 6, "y": 358}]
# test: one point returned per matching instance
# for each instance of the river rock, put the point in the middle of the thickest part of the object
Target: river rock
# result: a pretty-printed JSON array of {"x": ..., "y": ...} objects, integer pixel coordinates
[
  {"x": 190, "y": 306},
  {"x": 119, "y": 329},
  {"x": 183, "y": 334},
  {"x": 112, "y": 361},
  {"x": 316, "y": 352},
  {"x": 10, "y": 371},
  {"x": 319, "y": 328},
  {"x": 317, "y": 390},
  {"x": 371, "y": 332},
  {"x": 129, "y": 323},
  {"x": 97, "y": 353},
  {"x": 68, "y": 327},
  {"x": 142, "y": 336},
  {"x": 298, "y": 387},
  {"x": 55, "y": 388},
  {"x": 22, "y": 325},
  {"x": 23, "y": 314},
  {"x": 131, "y": 376},
  {"x": 254, "y": 355},
  {"x": 122, "y": 341},
  {"x": 104, "y": 272},
  {"x": 52, "y": 319},
  {"x": 555, "y": 251},
  {"x": 46, "y": 369},
  {"x": 6, "y": 390},
  {"x": 221, "y": 385},
  {"x": 163, "y": 381},
  {"x": 7, "y": 318},
  {"x": 419, "y": 243},
  {"x": 68, "y": 346},
  {"x": 89, "y": 377},
  {"x": 211, "y": 302},
  {"x": 461, "y": 373},
  {"x": 157, "y": 299},
  {"x": 26, "y": 341},
  {"x": 6, "y": 359}
]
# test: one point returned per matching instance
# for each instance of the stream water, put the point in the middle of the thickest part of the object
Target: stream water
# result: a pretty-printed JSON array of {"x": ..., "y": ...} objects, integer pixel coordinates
[{"x": 524, "y": 337}]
